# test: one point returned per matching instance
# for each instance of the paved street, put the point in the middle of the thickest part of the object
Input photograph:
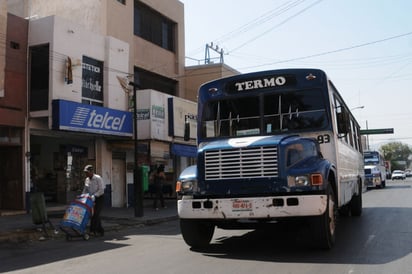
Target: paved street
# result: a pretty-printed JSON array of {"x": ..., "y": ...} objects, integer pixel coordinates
[{"x": 378, "y": 242}]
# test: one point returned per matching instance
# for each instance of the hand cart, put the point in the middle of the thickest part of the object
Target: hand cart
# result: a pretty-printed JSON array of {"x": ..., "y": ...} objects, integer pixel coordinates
[{"x": 77, "y": 217}]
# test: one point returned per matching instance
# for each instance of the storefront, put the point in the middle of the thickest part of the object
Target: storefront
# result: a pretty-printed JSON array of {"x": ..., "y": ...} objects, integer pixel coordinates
[
  {"x": 162, "y": 119},
  {"x": 84, "y": 134},
  {"x": 81, "y": 134},
  {"x": 56, "y": 164}
]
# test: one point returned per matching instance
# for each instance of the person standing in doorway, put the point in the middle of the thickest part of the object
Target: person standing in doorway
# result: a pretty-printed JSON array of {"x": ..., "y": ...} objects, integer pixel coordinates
[
  {"x": 159, "y": 179},
  {"x": 94, "y": 186}
]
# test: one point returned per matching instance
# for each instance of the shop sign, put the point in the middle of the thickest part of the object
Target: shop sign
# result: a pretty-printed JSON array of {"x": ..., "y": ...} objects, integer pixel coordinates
[
  {"x": 182, "y": 113},
  {"x": 92, "y": 79},
  {"x": 73, "y": 116},
  {"x": 143, "y": 114}
]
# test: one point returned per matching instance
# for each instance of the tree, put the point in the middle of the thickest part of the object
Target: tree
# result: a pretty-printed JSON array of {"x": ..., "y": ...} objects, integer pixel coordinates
[{"x": 397, "y": 153}]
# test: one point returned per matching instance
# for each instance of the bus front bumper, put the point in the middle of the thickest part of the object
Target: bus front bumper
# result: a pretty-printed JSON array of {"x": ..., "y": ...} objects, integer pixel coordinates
[{"x": 252, "y": 207}]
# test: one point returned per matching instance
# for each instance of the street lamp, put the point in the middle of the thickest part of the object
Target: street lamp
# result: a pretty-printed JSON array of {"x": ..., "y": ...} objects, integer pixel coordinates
[
  {"x": 359, "y": 107},
  {"x": 137, "y": 183}
]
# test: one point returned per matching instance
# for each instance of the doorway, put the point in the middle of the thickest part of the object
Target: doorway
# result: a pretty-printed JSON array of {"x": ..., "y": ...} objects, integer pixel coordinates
[
  {"x": 11, "y": 178},
  {"x": 118, "y": 183}
]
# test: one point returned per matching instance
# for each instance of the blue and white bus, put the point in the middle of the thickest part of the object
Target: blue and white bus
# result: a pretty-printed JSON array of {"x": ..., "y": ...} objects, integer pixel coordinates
[
  {"x": 272, "y": 146},
  {"x": 375, "y": 169}
]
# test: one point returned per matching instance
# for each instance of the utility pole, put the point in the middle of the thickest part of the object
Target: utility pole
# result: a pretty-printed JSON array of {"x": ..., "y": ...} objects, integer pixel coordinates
[
  {"x": 215, "y": 49},
  {"x": 137, "y": 183}
]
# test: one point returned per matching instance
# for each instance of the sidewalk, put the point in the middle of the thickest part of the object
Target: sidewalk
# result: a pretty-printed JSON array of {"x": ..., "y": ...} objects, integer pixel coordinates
[{"x": 20, "y": 227}]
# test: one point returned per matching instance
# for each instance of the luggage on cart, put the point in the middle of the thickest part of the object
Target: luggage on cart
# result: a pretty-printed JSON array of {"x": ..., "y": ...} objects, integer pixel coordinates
[{"x": 77, "y": 217}]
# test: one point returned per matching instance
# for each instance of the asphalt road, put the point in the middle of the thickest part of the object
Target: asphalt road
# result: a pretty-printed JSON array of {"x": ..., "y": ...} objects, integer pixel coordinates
[{"x": 380, "y": 241}]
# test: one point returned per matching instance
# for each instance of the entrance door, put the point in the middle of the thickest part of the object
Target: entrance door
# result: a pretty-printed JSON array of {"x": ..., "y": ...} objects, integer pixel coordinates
[
  {"x": 11, "y": 181},
  {"x": 118, "y": 183}
]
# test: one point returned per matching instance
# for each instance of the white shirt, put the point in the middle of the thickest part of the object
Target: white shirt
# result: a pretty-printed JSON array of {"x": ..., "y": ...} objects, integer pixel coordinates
[{"x": 94, "y": 186}]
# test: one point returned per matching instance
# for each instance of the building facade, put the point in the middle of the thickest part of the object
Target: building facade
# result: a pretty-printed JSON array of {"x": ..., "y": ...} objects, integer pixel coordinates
[
  {"x": 78, "y": 113},
  {"x": 76, "y": 106},
  {"x": 13, "y": 98},
  {"x": 154, "y": 29}
]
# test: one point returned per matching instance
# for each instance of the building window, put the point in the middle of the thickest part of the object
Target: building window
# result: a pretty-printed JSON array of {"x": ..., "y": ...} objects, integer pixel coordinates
[
  {"x": 10, "y": 135},
  {"x": 154, "y": 27},
  {"x": 14, "y": 45},
  {"x": 92, "y": 81},
  {"x": 122, "y": 2},
  {"x": 39, "y": 77},
  {"x": 150, "y": 80}
]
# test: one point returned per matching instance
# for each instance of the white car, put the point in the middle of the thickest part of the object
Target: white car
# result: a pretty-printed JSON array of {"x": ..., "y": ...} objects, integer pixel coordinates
[{"x": 398, "y": 175}]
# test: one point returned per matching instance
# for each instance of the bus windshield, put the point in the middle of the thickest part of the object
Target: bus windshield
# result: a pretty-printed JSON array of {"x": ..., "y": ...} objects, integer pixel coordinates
[
  {"x": 371, "y": 158},
  {"x": 264, "y": 114}
]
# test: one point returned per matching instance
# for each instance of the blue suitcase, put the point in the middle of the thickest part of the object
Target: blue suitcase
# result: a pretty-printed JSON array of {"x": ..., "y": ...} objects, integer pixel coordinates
[{"x": 77, "y": 217}]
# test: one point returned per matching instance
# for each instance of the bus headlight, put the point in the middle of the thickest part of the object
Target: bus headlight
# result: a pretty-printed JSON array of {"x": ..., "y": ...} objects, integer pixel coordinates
[
  {"x": 315, "y": 179},
  {"x": 376, "y": 178},
  {"x": 301, "y": 180},
  {"x": 186, "y": 186}
]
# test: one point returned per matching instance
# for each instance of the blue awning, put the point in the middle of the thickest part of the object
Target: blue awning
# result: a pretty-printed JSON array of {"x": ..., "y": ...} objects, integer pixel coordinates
[{"x": 184, "y": 150}]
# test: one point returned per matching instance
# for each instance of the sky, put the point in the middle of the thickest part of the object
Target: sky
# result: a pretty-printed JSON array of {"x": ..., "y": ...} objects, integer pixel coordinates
[{"x": 365, "y": 47}]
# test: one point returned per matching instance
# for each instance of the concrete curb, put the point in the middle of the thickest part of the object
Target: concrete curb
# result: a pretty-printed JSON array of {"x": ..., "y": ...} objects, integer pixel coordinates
[{"x": 109, "y": 223}]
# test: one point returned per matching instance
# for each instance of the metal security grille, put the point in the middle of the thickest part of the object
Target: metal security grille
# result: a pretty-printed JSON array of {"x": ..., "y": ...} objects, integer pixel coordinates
[{"x": 253, "y": 162}]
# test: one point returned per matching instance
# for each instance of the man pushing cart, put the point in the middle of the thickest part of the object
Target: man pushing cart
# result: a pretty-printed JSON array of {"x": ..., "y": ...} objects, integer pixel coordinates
[{"x": 90, "y": 203}]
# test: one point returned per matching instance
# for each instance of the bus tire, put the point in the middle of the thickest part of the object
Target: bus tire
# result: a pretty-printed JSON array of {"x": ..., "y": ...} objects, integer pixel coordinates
[
  {"x": 356, "y": 204},
  {"x": 196, "y": 233},
  {"x": 323, "y": 227}
]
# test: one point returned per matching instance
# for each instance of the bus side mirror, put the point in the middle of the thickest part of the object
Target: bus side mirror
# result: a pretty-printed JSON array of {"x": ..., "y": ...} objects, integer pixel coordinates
[
  {"x": 343, "y": 121},
  {"x": 186, "y": 136}
]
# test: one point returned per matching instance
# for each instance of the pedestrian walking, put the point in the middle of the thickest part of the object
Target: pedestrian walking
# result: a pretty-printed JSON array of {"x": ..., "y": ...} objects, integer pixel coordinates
[
  {"x": 94, "y": 186},
  {"x": 158, "y": 180}
]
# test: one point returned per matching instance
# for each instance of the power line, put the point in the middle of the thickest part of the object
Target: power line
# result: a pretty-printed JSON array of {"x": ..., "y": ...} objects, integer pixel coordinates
[
  {"x": 260, "y": 20},
  {"x": 311, "y": 56},
  {"x": 276, "y": 26},
  {"x": 332, "y": 51},
  {"x": 255, "y": 22}
]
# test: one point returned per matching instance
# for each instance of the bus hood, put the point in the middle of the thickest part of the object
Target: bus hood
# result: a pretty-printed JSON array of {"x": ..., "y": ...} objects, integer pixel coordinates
[{"x": 254, "y": 141}]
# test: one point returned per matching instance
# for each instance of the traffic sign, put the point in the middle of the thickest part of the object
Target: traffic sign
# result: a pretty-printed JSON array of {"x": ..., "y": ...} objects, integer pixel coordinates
[{"x": 376, "y": 131}]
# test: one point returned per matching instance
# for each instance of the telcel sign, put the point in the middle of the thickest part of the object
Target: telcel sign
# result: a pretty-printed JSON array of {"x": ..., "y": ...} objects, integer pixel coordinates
[{"x": 73, "y": 116}]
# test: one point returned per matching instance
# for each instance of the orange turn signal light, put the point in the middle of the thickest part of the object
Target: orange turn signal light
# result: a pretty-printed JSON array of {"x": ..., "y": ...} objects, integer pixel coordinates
[
  {"x": 316, "y": 179},
  {"x": 178, "y": 186}
]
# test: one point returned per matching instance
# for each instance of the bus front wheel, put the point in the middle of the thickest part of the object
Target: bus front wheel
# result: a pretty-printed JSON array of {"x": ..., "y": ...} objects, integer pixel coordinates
[
  {"x": 323, "y": 227},
  {"x": 196, "y": 233}
]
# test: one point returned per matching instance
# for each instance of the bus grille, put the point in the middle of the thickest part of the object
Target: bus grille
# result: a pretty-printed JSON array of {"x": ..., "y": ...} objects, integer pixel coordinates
[{"x": 255, "y": 162}]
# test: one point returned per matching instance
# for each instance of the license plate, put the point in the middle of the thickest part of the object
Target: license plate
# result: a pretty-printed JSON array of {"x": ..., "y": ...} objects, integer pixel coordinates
[{"x": 242, "y": 205}]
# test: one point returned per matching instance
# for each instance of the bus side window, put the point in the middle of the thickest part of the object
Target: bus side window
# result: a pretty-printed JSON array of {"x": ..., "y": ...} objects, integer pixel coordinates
[{"x": 343, "y": 121}]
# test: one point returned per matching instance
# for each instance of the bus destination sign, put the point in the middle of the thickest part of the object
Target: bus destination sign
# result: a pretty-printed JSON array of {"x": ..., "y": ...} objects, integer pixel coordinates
[{"x": 261, "y": 83}]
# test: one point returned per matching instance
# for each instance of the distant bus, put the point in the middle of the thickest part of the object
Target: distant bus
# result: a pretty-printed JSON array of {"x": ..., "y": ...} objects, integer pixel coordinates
[
  {"x": 375, "y": 169},
  {"x": 273, "y": 146}
]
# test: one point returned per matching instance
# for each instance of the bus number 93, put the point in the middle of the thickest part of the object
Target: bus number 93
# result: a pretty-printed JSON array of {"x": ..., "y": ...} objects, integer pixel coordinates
[{"x": 322, "y": 139}]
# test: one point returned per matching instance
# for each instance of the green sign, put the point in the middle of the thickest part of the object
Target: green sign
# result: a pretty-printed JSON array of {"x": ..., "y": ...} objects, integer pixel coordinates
[{"x": 376, "y": 131}]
